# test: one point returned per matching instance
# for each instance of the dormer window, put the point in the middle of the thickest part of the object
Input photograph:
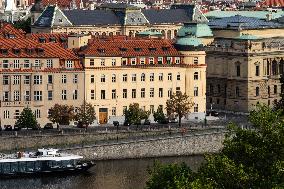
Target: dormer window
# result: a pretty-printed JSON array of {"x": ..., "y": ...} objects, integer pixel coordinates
[
  {"x": 29, "y": 51},
  {"x": 11, "y": 36},
  {"x": 63, "y": 39},
  {"x": 52, "y": 39},
  {"x": 4, "y": 51},
  {"x": 16, "y": 51},
  {"x": 101, "y": 50},
  {"x": 42, "y": 40},
  {"x": 137, "y": 49},
  {"x": 152, "y": 49},
  {"x": 123, "y": 49},
  {"x": 69, "y": 64},
  {"x": 40, "y": 50},
  {"x": 165, "y": 48}
]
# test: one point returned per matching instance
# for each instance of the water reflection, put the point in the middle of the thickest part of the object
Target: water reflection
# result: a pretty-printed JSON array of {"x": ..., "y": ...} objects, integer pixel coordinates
[{"x": 112, "y": 174}]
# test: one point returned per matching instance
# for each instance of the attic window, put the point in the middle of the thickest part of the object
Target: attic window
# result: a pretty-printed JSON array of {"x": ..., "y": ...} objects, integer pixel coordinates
[
  {"x": 63, "y": 39},
  {"x": 41, "y": 40},
  {"x": 40, "y": 50},
  {"x": 4, "y": 51},
  {"x": 123, "y": 49},
  {"x": 152, "y": 49},
  {"x": 137, "y": 49},
  {"x": 101, "y": 50},
  {"x": 29, "y": 51},
  {"x": 52, "y": 39},
  {"x": 165, "y": 48},
  {"x": 11, "y": 36},
  {"x": 16, "y": 51},
  {"x": 60, "y": 20}
]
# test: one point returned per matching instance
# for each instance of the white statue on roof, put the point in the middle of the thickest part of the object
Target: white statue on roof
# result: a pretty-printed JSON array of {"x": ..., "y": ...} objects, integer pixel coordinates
[{"x": 10, "y": 5}]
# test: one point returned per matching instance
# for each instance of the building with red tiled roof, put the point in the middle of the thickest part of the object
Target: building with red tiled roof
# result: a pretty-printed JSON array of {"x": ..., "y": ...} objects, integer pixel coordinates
[
  {"x": 38, "y": 76},
  {"x": 274, "y": 3},
  {"x": 59, "y": 38},
  {"x": 61, "y": 3},
  {"x": 121, "y": 71},
  {"x": 7, "y": 30}
]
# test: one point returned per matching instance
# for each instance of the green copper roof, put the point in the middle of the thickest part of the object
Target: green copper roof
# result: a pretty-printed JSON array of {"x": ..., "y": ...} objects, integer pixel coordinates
[
  {"x": 149, "y": 32},
  {"x": 248, "y": 37},
  {"x": 254, "y": 14},
  {"x": 189, "y": 41},
  {"x": 196, "y": 30}
]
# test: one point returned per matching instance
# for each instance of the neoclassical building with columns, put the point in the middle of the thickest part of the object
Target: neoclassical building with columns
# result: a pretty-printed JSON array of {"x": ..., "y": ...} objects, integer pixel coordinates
[{"x": 116, "y": 19}]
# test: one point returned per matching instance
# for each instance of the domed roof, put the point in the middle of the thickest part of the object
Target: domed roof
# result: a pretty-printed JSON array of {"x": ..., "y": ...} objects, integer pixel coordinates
[
  {"x": 189, "y": 41},
  {"x": 196, "y": 30}
]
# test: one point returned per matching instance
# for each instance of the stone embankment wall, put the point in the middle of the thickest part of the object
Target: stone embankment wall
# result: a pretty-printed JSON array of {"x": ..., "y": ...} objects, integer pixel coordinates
[{"x": 191, "y": 144}]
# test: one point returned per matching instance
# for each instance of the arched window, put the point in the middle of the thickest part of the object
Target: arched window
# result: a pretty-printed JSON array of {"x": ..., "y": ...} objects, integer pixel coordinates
[
  {"x": 113, "y": 78},
  {"x": 257, "y": 91}
]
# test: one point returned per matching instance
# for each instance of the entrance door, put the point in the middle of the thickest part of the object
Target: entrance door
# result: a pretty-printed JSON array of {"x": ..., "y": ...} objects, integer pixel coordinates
[{"x": 103, "y": 115}]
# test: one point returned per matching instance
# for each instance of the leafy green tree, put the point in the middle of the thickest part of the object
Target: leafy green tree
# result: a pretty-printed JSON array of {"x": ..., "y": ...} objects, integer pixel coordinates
[
  {"x": 159, "y": 115},
  {"x": 25, "y": 25},
  {"x": 134, "y": 114},
  {"x": 250, "y": 158},
  {"x": 61, "y": 114},
  {"x": 179, "y": 104},
  {"x": 86, "y": 114},
  {"x": 27, "y": 119}
]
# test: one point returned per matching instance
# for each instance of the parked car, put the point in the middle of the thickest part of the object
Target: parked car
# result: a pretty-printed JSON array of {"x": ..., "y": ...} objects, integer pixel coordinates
[
  {"x": 212, "y": 113},
  {"x": 8, "y": 128},
  {"x": 17, "y": 128},
  {"x": 147, "y": 122},
  {"x": 48, "y": 126}
]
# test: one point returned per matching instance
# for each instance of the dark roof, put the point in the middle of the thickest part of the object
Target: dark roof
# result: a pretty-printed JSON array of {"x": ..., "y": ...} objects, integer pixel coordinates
[
  {"x": 117, "y": 6},
  {"x": 46, "y": 17},
  {"x": 167, "y": 16},
  {"x": 242, "y": 22},
  {"x": 92, "y": 17}
]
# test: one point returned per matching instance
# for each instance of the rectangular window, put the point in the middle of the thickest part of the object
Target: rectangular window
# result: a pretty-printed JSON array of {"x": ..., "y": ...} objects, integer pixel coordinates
[
  {"x": 37, "y": 95},
  {"x": 37, "y": 79},
  {"x": 195, "y": 77},
  {"x": 124, "y": 77},
  {"x": 92, "y": 62},
  {"x": 195, "y": 91},
  {"x": 16, "y": 80},
  {"x": 169, "y": 77},
  {"x": 6, "y": 114},
  {"x": 103, "y": 94},
  {"x": 27, "y": 79},
  {"x": 92, "y": 94},
  {"x": 257, "y": 70},
  {"x": 151, "y": 92},
  {"x": 6, "y": 96},
  {"x": 113, "y": 94},
  {"x": 113, "y": 111},
  {"x": 113, "y": 78},
  {"x": 50, "y": 79},
  {"x": 17, "y": 114},
  {"x": 49, "y": 63},
  {"x": 69, "y": 64},
  {"x": 177, "y": 89},
  {"x": 92, "y": 79},
  {"x": 27, "y": 96},
  {"x": 75, "y": 94},
  {"x": 64, "y": 95},
  {"x": 151, "y": 60},
  {"x": 169, "y": 60},
  {"x": 133, "y": 93},
  {"x": 275, "y": 89},
  {"x": 5, "y": 64},
  {"x": 170, "y": 92},
  {"x": 103, "y": 78},
  {"x": 49, "y": 95},
  {"x": 133, "y": 77},
  {"x": 102, "y": 62},
  {"x": 238, "y": 69},
  {"x": 124, "y": 93},
  {"x": 142, "y": 61},
  {"x": 16, "y": 95},
  {"x": 160, "y": 60},
  {"x": 195, "y": 60},
  {"x": 113, "y": 62},
  {"x": 133, "y": 61},
  {"x": 160, "y": 76},
  {"x": 64, "y": 79},
  {"x": 143, "y": 93},
  {"x": 5, "y": 80},
  {"x": 75, "y": 78},
  {"x": 37, "y": 63},
  {"x": 161, "y": 92},
  {"x": 27, "y": 64},
  {"x": 195, "y": 109},
  {"x": 124, "y": 62},
  {"x": 151, "y": 76},
  {"x": 37, "y": 113},
  {"x": 177, "y": 60},
  {"x": 16, "y": 64},
  {"x": 178, "y": 77},
  {"x": 142, "y": 77}
]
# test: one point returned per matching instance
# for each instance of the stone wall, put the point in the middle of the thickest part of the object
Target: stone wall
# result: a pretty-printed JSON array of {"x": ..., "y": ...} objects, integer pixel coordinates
[{"x": 165, "y": 146}]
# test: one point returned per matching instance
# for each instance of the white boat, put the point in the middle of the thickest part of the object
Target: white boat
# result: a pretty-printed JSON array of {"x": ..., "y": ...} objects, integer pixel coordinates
[{"x": 44, "y": 161}]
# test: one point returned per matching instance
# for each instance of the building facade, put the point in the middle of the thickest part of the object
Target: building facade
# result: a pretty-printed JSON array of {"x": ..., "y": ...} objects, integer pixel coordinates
[
  {"x": 37, "y": 76},
  {"x": 148, "y": 72}
]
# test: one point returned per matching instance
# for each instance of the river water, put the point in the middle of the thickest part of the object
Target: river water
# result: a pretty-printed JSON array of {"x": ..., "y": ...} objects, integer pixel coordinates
[{"x": 111, "y": 174}]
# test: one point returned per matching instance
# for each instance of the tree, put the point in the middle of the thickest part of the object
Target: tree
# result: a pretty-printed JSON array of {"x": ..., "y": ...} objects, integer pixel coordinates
[
  {"x": 86, "y": 114},
  {"x": 250, "y": 158},
  {"x": 61, "y": 114},
  {"x": 25, "y": 25},
  {"x": 179, "y": 104},
  {"x": 159, "y": 115},
  {"x": 134, "y": 114},
  {"x": 27, "y": 119}
]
